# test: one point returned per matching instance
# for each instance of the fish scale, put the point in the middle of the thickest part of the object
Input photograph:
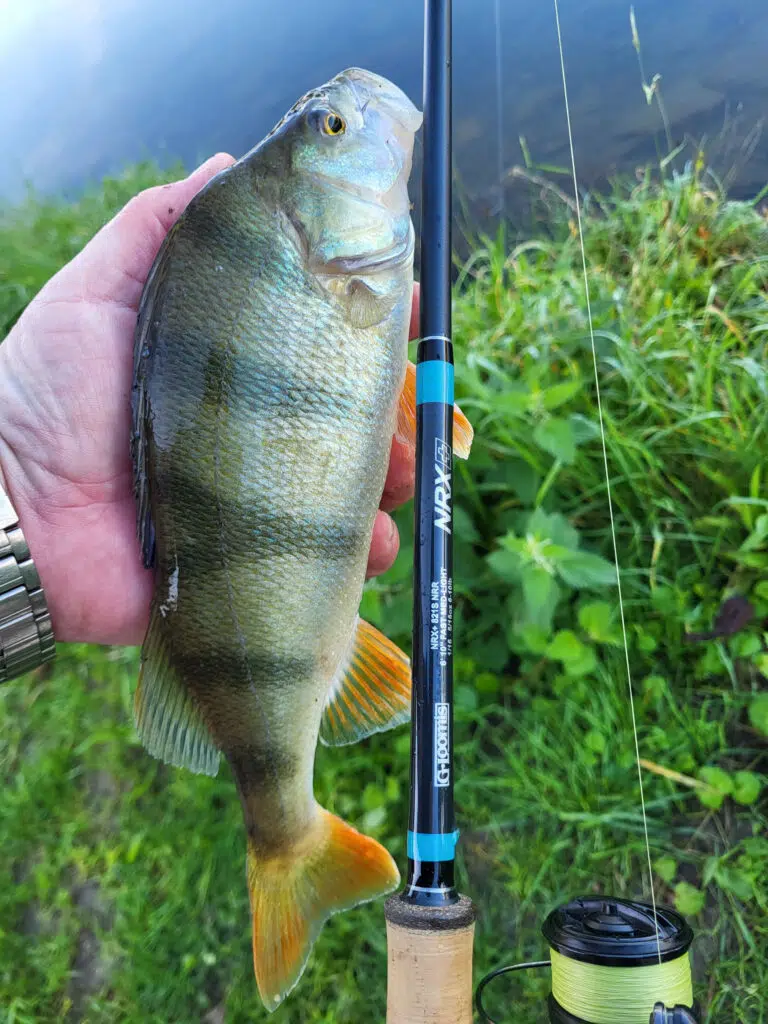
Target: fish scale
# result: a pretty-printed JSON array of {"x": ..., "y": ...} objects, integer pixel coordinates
[{"x": 269, "y": 378}]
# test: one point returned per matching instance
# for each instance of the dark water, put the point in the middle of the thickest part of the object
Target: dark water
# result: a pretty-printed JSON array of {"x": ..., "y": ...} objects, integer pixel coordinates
[{"x": 89, "y": 85}]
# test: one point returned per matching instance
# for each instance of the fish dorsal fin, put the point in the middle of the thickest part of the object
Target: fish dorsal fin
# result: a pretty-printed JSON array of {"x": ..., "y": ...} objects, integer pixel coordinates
[
  {"x": 168, "y": 721},
  {"x": 406, "y": 418},
  {"x": 371, "y": 691}
]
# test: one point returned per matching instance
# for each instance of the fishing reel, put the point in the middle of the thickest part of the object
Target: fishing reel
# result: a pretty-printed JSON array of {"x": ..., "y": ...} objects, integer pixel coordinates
[{"x": 613, "y": 962}]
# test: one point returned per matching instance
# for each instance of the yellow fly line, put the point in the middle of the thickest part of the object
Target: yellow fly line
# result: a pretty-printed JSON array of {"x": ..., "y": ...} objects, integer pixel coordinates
[{"x": 619, "y": 995}]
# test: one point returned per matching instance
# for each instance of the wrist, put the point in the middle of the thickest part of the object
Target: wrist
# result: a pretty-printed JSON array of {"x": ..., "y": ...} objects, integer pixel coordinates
[{"x": 26, "y": 632}]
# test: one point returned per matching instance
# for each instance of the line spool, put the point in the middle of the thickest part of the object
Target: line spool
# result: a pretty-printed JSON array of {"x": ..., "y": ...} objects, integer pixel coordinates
[{"x": 614, "y": 961}]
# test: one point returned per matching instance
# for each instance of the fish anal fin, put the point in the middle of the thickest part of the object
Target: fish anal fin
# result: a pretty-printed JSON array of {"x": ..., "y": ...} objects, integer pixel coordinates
[
  {"x": 292, "y": 895},
  {"x": 168, "y": 721},
  {"x": 405, "y": 431},
  {"x": 371, "y": 691}
]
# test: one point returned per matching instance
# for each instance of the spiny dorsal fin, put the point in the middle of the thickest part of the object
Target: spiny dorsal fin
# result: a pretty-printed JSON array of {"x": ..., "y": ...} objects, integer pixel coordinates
[
  {"x": 167, "y": 719},
  {"x": 406, "y": 418},
  {"x": 371, "y": 691}
]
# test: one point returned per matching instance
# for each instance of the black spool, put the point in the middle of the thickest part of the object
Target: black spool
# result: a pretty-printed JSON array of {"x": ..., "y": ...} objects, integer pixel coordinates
[
  {"x": 617, "y": 933},
  {"x": 677, "y": 1015}
]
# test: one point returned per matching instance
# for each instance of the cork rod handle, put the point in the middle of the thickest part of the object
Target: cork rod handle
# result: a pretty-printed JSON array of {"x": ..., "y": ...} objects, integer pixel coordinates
[{"x": 429, "y": 971}]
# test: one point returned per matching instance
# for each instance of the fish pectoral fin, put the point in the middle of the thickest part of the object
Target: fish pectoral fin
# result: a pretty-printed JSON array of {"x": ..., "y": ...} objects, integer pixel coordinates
[
  {"x": 363, "y": 305},
  {"x": 405, "y": 431},
  {"x": 371, "y": 691},
  {"x": 168, "y": 721},
  {"x": 292, "y": 895}
]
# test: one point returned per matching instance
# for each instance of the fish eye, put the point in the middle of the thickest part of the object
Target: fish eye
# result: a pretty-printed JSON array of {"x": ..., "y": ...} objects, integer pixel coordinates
[{"x": 333, "y": 124}]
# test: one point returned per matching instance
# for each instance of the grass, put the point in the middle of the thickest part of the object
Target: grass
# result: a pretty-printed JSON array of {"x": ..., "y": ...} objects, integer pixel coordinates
[{"x": 124, "y": 893}]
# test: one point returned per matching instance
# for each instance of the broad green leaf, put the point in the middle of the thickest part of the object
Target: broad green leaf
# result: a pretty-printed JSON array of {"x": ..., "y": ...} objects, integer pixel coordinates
[
  {"x": 486, "y": 682},
  {"x": 711, "y": 798},
  {"x": 559, "y": 394},
  {"x": 733, "y": 880},
  {"x": 688, "y": 899},
  {"x": 595, "y": 740},
  {"x": 538, "y": 587},
  {"x": 582, "y": 569},
  {"x": 709, "y": 664},
  {"x": 373, "y": 796},
  {"x": 645, "y": 641},
  {"x": 717, "y": 778},
  {"x": 513, "y": 543},
  {"x": 583, "y": 429},
  {"x": 535, "y": 638},
  {"x": 744, "y": 645},
  {"x": 506, "y": 564},
  {"x": 757, "y": 847},
  {"x": 596, "y": 618},
  {"x": 566, "y": 647},
  {"x": 758, "y": 713},
  {"x": 463, "y": 526},
  {"x": 719, "y": 783},
  {"x": 552, "y": 526},
  {"x": 584, "y": 665},
  {"x": 521, "y": 478},
  {"x": 665, "y": 600},
  {"x": 466, "y": 698},
  {"x": 655, "y": 687},
  {"x": 556, "y": 437},
  {"x": 747, "y": 787},
  {"x": 514, "y": 400},
  {"x": 666, "y": 868}
]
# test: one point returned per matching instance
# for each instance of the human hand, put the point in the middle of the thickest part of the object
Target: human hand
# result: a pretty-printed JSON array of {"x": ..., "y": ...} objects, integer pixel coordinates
[{"x": 65, "y": 383}]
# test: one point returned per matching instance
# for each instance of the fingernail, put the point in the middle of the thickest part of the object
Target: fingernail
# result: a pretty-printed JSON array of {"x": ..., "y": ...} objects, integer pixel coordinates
[{"x": 392, "y": 528}]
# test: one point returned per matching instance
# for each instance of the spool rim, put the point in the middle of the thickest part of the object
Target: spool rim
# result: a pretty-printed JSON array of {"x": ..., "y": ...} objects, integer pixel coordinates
[{"x": 610, "y": 932}]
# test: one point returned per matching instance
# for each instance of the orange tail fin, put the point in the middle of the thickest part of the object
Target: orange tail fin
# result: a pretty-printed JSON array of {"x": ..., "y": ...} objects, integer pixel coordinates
[{"x": 292, "y": 896}]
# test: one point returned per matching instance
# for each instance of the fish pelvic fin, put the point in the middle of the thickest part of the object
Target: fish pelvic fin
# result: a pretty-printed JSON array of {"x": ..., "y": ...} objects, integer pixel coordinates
[
  {"x": 463, "y": 432},
  {"x": 371, "y": 691},
  {"x": 292, "y": 895},
  {"x": 168, "y": 720}
]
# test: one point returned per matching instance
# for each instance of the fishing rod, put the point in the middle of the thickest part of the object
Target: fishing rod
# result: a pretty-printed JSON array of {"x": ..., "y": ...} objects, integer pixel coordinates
[
  {"x": 430, "y": 926},
  {"x": 611, "y": 961}
]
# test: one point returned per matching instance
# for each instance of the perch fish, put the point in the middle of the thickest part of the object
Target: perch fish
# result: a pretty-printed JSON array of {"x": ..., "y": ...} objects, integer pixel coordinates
[{"x": 270, "y": 374}]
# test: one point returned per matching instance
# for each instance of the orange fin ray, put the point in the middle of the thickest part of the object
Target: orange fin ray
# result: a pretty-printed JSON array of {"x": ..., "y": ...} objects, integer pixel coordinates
[
  {"x": 371, "y": 691},
  {"x": 292, "y": 895},
  {"x": 463, "y": 432}
]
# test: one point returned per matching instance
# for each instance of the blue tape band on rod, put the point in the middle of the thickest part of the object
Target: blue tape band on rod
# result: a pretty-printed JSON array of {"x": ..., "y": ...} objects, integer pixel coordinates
[
  {"x": 434, "y": 382},
  {"x": 432, "y": 846}
]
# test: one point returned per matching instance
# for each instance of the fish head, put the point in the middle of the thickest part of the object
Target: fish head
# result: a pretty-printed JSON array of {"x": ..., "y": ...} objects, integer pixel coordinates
[{"x": 346, "y": 154}]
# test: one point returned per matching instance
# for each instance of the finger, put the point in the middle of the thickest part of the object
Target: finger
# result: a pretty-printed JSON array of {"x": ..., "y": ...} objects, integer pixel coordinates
[
  {"x": 401, "y": 475},
  {"x": 115, "y": 263},
  {"x": 413, "y": 331},
  {"x": 399, "y": 485},
  {"x": 385, "y": 543}
]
